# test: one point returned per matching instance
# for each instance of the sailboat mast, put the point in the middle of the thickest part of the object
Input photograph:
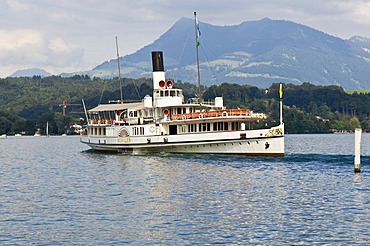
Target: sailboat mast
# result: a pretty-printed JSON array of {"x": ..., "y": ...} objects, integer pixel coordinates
[
  {"x": 119, "y": 72},
  {"x": 47, "y": 128},
  {"x": 197, "y": 54}
]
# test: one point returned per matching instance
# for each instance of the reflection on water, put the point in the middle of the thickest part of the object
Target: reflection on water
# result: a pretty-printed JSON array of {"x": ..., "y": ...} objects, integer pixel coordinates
[
  {"x": 326, "y": 144},
  {"x": 56, "y": 191}
]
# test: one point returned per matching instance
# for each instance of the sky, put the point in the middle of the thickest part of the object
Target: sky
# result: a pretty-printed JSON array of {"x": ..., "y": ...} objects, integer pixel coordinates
[{"x": 76, "y": 35}]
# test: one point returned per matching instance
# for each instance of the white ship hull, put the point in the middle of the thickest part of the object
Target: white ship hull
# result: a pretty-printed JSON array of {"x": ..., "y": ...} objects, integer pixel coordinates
[{"x": 250, "y": 143}]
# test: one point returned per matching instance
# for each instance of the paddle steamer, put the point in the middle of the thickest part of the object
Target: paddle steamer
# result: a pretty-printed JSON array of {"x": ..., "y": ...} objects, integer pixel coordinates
[{"x": 165, "y": 123}]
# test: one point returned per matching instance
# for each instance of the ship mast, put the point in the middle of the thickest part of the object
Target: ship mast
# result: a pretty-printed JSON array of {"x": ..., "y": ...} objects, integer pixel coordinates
[
  {"x": 197, "y": 54},
  {"x": 119, "y": 72}
]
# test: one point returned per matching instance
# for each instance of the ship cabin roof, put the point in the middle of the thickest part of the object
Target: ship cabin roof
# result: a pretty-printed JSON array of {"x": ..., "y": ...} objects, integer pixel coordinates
[{"x": 116, "y": 107}]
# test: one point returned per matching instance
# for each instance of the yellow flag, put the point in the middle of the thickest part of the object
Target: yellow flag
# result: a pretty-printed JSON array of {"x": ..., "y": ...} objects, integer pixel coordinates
[{"x": 281, "y": 91}]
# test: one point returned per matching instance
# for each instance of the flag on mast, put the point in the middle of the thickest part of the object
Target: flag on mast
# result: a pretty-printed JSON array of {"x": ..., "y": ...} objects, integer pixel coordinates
[
  {"x": 198, "y": 28},
  {"x": 198, "y": 31},
  {"x": 281, "y": 90}
]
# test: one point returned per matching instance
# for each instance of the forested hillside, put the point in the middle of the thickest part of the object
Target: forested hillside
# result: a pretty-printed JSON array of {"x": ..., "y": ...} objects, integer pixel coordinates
[
  {"x": 307, "y": 108},
  {"x": 26, "y": 104}
]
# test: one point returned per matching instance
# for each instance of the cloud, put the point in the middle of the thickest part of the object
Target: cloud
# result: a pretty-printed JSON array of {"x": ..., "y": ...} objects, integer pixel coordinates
[
  {"x": 21, "y": 46},
  {"x": 17, "y": 5},
  {"x": 358, "y": 10},
  {"x": 63, "y": 16},
  {"x": 29, "y": 48},
  {"x": 64, "y": 54},
  {"x": 44, "y": 33}
]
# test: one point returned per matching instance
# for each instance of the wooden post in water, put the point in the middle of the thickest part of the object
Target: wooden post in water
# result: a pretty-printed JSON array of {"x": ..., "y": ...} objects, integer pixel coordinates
[{"x": 357, "y": 149}]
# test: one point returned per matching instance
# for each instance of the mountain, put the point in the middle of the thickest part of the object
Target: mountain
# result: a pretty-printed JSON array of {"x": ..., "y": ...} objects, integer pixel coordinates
[
  {"x": 30, "y": 73},
  {"x": 255, "y": 52}
]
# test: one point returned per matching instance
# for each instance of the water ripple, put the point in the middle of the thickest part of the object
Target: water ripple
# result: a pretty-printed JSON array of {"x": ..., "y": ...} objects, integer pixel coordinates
[{"x": 56, "y": 192}]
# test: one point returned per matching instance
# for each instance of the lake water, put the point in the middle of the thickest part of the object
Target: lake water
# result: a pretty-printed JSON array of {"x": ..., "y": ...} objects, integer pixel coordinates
[{"x": 55, "y": 191}]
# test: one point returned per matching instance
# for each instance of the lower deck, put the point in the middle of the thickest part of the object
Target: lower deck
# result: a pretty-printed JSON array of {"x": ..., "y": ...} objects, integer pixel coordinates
[{"x": 174, "y": 128}]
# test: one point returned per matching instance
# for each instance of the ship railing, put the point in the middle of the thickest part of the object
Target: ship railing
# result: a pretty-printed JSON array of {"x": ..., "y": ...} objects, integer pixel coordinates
[
  {"x": 215, "y": 113},
  {"x": 196, "y": 101},
  {"x": 209, "y": 103},
  {"x": 102, "y": 121}
]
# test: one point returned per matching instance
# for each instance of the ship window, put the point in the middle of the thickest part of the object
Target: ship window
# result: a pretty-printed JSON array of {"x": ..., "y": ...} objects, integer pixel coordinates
[
  {"x": 133, "y": 114},
  {"x": 220, "y": 126},
  {"x": 192, "y": 128},
  {"x": 148, "y": 113},
  {"x": 172, "y": 93},
  {"x": 182, "y": 129},
  {"x": 138, "y": 131},
  {"x": 234, "y": 126},
  {"x": 166, "y": 93},
  {"x": 203, "y": 127}
]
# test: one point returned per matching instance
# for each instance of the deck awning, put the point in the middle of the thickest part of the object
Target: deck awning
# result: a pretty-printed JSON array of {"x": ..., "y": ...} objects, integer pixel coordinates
[{"x": 116, "y": 107}]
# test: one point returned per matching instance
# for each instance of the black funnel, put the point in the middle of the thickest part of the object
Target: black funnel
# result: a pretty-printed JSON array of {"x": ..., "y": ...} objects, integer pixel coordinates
[{"x": 157, "y": 60}]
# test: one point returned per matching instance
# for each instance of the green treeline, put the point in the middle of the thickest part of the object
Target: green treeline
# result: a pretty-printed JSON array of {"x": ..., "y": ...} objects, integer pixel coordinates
[
  {"x": 26, "y": 104},
  {"x": 307, "y": 108}
]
